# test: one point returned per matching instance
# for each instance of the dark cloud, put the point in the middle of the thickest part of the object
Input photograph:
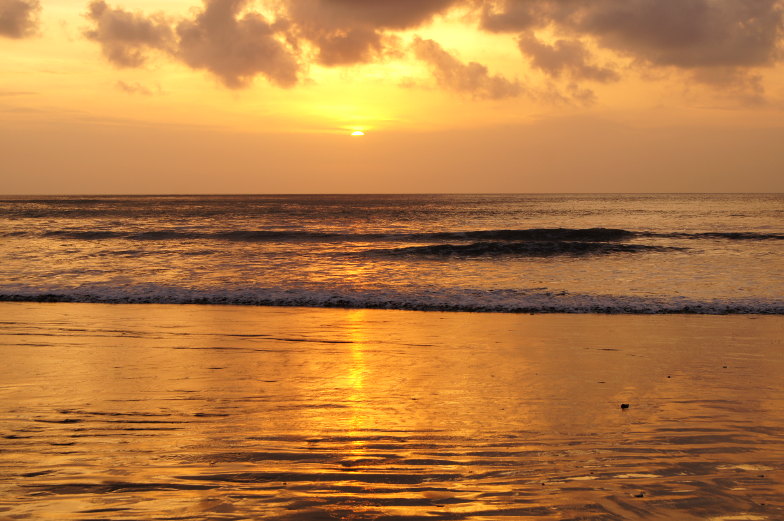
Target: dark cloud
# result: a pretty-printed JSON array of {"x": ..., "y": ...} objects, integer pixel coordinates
[
  {"x": 512, "y": 16},
  {"x": 18, "y": 18},
  {"x": 125, "y": 37},
  {"x": 565, "y": 56},
  {"x": 690, "y": 33},
  {"x": 346, "y": 46},
  {"x": 681, "y": 33},
  {"x": 471, "y": 78},
  {"x": 353, "y": 31},
  {"x": 236, "y": 48},
  {"x": 233, "y": 47},
  {"x": 379, "y": 14},
  {"x": 717, "y": 42},
  {"x": 236, "y": 44}
]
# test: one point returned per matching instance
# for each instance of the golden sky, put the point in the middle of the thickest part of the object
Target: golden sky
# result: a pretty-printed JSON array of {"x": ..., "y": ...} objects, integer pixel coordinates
[{"x": 233, "y": 96}]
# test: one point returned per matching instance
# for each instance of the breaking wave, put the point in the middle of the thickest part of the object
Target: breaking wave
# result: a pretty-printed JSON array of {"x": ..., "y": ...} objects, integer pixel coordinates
[
  {"x": 527, "y": 249},
  {"x": 536, "y": 234},
  {"x": 535, "y": 300}
]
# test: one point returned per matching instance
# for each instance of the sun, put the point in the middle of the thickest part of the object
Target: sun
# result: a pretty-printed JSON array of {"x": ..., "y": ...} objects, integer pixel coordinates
[{"x": 357, "y": 133}]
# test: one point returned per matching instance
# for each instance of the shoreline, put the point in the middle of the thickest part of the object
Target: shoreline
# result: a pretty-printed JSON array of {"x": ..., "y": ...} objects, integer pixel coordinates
[{"x": 688, "y": 309}]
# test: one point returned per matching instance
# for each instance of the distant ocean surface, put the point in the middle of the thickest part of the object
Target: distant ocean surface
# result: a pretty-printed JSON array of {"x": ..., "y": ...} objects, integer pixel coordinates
[{"x": 487, "y": 253}]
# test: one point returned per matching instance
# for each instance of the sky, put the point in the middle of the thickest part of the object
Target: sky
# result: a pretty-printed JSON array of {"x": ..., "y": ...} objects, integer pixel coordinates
[{"x": 449, "y": 96}]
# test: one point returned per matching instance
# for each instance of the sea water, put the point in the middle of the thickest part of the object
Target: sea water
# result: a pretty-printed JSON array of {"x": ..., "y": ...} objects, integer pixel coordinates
[{"x": 672, "y": 253}]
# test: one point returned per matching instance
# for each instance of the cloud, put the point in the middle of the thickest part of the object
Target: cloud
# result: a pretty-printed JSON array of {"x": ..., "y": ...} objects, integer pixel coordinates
[
  {"x": 740, "y": 85},
  {"x": 722, "y": 43},
  {"x": 124, "y": 36},
  {"x": 572, "y": 94},
  {"x": 471, "y": 78},
  {"x": 134, "y": 88},
  {"x": 19, "y": 18},
  {"x": 690, "y": 33},
  {"x": 684, "y": 33},
  {"x": 236, "y": 43},
  {"x": 512, "y": 16},
  {"x": 378, "y": 14},
  {"x": 236, "y": 48},
  {"x": 565, "y": 56},
  {"x": 346, "y": 46},
  {"x": 346, "y": 32},
  {"x": 716, "y": 42}
]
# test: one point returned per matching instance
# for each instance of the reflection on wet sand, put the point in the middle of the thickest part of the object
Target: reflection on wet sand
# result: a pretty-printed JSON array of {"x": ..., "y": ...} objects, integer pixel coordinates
[{"x": 225, "y": 413}]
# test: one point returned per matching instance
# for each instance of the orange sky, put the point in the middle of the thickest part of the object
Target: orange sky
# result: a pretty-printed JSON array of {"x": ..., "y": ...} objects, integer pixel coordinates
[{"x": 232, "y": 96}]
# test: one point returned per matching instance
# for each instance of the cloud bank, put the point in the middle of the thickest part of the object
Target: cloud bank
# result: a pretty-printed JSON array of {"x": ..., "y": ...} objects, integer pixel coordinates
[
  {"x": 728, "y": 36},
  {"x": 716, "y": 42}
]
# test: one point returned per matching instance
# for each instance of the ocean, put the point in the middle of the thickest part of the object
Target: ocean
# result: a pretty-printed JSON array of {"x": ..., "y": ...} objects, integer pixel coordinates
[
  {"x": 611, "y": 253},
  {"x": 591, "y": 379}
]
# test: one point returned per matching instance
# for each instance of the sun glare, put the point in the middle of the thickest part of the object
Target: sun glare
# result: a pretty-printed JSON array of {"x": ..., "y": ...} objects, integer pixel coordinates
[{"x": 357, "y": 133}]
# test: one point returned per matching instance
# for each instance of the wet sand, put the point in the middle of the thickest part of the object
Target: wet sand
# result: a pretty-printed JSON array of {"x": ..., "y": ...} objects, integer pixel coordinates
[{"x": 142, "y": 412}]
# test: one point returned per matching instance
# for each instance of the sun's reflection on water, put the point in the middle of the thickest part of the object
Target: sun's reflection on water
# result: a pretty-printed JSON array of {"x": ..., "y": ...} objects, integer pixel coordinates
[{"x": 357, "y": 398}]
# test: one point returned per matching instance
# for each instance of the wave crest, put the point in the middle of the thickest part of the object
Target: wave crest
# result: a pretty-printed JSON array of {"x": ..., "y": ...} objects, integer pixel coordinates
[
  {"x": 535, "y": 300},
  {"x": 538, "y": 234},
  {"x": 525, "y": 249}
]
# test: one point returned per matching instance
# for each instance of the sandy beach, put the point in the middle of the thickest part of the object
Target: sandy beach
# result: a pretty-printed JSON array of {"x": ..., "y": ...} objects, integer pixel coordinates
[{"x": 144, "y": 412}]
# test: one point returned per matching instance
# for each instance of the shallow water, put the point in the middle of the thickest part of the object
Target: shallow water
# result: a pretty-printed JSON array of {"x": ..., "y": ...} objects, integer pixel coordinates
[
  {"x": 140, "y": 412},
  {"x": 616, "y": 253}
]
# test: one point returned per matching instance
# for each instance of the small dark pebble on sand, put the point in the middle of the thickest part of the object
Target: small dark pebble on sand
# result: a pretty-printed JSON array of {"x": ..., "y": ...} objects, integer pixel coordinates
[
  {"x": 624, "y": 406},
  {"x": 641, "y": 494}
]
